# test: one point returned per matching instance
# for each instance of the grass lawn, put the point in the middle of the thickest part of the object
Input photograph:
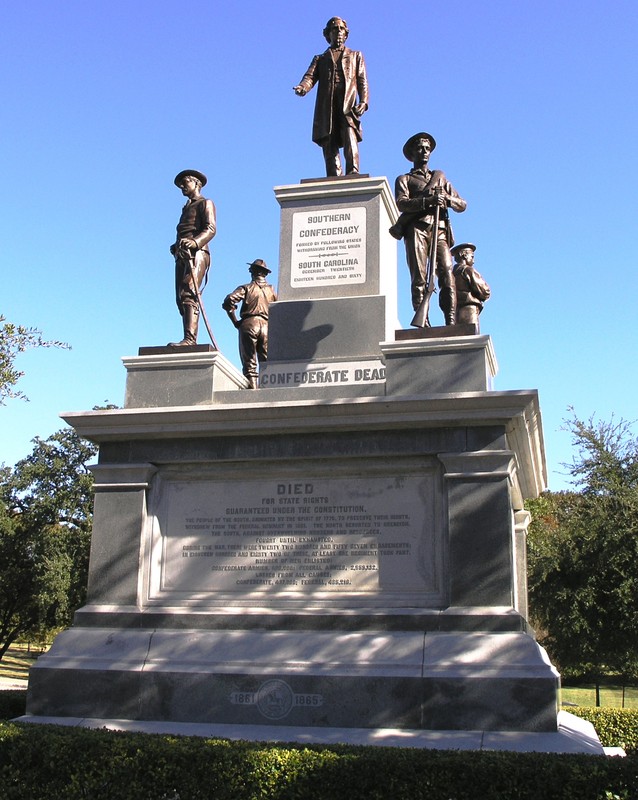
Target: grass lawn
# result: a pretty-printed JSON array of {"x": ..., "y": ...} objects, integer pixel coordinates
[
  {"x": 17, "y": 660},
  {"x": 610, "y": 696}
]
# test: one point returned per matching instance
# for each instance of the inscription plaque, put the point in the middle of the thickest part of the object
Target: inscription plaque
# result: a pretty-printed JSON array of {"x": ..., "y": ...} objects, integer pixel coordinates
[
  {"x": 303, "y": 374},
  {"x": 335, "y": 535},
  {"x": 328, "y": 248}
]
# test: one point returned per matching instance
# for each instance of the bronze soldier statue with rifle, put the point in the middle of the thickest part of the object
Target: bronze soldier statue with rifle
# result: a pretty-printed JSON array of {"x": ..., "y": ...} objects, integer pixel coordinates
[
  {"x": 424, "y": 198},
  {"x": 195, "y": 229}
]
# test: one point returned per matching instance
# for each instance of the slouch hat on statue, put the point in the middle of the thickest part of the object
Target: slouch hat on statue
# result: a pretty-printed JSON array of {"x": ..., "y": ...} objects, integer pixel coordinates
[
  {"x": 463, "y": 246},
  {"x": 192, "y": 173},
  {"x": 407, "y": 147},
  {"x": 259, "y": 264}
]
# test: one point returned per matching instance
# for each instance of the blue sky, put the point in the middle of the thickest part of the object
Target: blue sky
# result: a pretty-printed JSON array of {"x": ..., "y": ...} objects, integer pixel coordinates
[{"x": 532, "y": 105}]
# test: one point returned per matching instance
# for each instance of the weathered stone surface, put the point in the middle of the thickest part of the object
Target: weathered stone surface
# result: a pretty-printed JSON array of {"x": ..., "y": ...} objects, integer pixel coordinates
[
  {"x": 338, "y": 552},
  {"x": 444, "y": 681},
  {"x": 174, "y": 378}
]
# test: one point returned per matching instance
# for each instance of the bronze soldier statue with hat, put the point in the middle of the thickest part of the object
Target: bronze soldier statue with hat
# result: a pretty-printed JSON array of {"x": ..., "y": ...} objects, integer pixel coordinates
[
  {"x": 195, "y": 229},
  {"x": 255, "y": 298},
  {"x": 471, "y": 288},
  {"x": 424, "y": 198}
]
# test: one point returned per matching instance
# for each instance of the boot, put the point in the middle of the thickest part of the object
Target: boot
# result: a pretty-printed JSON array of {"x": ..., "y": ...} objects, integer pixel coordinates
[
  {"x": 190, "y": 318},
  {"x": 252, "y": 382},
  {"x": 447, "y": 303}
]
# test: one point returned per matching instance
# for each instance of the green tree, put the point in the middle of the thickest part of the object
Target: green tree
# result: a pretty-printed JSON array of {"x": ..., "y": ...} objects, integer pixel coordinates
[
  {"x": 45, "y": 530},
  {"x": 583, "y": 556},
  {"x": 34, "y": 580},
  {"x": 15, "y": 339}
]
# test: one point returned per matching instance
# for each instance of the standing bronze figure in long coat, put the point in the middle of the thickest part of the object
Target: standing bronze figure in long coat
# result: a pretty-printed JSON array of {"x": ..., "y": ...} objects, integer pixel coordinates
[{"x": 342, "y": 98}]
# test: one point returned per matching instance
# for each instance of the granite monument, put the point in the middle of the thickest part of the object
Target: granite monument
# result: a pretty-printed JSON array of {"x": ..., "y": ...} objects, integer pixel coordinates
[{"x": 341, "y": 555}]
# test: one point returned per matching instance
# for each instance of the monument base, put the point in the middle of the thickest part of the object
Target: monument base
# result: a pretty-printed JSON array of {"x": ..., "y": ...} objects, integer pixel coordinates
[
  {"x": 310, "y": 678},
  {"x": 364, "y": 567},
  {"x": 452, "y": 361},
  {"x": 343, "y": 550},
  {"x": 574, "y": 735}
]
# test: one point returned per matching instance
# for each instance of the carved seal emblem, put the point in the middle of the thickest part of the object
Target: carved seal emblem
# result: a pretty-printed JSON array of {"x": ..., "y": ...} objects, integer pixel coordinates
[{"x": 275, "y": 699}]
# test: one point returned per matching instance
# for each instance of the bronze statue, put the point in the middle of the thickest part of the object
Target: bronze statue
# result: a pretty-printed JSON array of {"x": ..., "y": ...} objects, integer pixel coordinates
[
  {"x": 471, "y": 289},
  {"x": 255, "y": 298},
  {"x": 195, "y": 229},
  {"x": 341, "y": 74},
  {"x": 424, "y": 196}
]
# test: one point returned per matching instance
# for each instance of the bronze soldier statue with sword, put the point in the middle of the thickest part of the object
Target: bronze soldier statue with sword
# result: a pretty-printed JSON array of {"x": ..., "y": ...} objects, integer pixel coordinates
[{"x": 195, "y": 229}]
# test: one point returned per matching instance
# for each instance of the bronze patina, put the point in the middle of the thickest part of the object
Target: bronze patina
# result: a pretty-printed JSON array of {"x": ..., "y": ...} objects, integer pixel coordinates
[
  {"x": 471, "y": 288},
  {"x": 342, "y": 99},
  {"x": 195, "y": 229},
  {"x": 255, "y": 298},
  {"x": 424, "y": 198}
]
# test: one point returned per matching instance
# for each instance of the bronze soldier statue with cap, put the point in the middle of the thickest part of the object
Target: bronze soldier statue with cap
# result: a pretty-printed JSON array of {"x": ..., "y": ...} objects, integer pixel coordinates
[
  {"x": 255, "y": 298},
  {"x": 424, "y": 198},
  {"x": 195, "y": 229},
  {"x": 342, "y": 98},
  {"x": 471, "y": 288}
]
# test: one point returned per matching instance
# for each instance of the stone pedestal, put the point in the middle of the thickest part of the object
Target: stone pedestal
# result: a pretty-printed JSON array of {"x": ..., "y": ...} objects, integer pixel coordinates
[
  {"x": 189, "y": 376},
  {"x": 311, "y": 564},
  {"x": 341, "y": 551},
  {"x": 337, "y": 283},
  {"x": 433, "y": 366}
]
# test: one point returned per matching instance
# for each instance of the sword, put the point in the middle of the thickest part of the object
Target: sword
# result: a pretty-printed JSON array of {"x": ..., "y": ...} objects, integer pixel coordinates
[{"x": 190, "y": 260}]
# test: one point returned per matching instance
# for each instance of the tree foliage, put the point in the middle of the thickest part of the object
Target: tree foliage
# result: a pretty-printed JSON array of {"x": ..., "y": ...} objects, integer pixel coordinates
[
  {"x": 15, "y": 339},
  {"x": 583, "y": 555},
  {"x": 45, "y": 529}
]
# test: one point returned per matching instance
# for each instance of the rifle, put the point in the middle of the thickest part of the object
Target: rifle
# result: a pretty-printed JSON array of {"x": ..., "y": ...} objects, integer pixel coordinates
[
  {"x": 186, "y": 254},
  {"x": 420, "y": 318}
]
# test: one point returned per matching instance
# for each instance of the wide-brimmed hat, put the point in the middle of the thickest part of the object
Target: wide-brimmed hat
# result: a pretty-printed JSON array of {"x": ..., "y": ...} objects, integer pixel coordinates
[
  {"x": 463, "y": 246},
  {"x": 192, "y": 172},
  {"x": 407, "y": 147},
  {"x": 259, "y": 263}
]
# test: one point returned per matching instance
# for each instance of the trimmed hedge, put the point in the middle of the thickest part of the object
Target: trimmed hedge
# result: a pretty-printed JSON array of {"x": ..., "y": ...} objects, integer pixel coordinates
[
  {"x": 51, "y": 762},
  {"x": 616, "y": 727},
  {"x": 13, "y": 703}
]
